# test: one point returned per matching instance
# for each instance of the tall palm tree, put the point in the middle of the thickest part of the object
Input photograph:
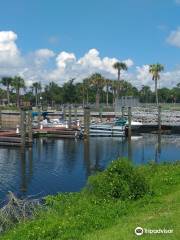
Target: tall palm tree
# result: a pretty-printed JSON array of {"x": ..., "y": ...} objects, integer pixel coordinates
[
  {"x": 119, "y": 66},
  {"x": 7, "y": 81},
  {"x": 114, "y": 87},
  {"x": 18, "y": 83},
  {"x": 37, "y": 88},
  {"x": 155, "y": 70},
  {"x": 97, "y": 81}
]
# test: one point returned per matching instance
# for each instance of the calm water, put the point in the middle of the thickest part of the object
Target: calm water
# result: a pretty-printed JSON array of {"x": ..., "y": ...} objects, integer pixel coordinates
[{"x": 53, "y": 166}]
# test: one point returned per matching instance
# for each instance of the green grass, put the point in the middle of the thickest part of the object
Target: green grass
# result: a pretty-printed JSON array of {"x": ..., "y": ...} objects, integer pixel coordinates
[{"x": 76, "y": 216}]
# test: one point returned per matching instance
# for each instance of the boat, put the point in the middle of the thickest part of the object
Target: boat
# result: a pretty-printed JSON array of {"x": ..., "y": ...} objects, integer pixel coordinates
[
  {"x": 107, "y": 129},
  {"x": 134, "y": 124}
]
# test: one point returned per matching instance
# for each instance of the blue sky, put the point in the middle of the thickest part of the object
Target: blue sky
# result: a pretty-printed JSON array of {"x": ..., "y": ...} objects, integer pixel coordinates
[{"x": 139, "y": 30}]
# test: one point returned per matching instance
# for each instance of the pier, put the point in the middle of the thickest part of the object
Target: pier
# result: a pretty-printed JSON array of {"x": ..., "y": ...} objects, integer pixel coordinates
[{"x": 168, "y": 121}]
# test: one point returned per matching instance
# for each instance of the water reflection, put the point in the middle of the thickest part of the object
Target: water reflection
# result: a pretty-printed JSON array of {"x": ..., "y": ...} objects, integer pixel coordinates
[
  {"x": 64, "y": 165},
  {"x": 26, "y": 165}
]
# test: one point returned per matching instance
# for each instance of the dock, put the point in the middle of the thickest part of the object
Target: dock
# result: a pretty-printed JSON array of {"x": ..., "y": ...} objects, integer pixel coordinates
[{"x": 11, "y": 138}]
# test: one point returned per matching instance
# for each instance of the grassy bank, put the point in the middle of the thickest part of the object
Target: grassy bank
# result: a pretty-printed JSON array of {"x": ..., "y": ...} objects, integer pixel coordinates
[{"x": 93, "y": 214}]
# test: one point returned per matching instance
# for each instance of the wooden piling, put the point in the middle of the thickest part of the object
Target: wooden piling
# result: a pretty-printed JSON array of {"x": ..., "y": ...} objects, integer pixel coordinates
[
  {"x": 69, "y": 115},
  {"x": 86, "y": 121},
  {"x": 75, "y": 113},
  {"x": 39, "y": 115},
  {"x": 0, "y": 119},
  {"x": 64, "y": 113},
  {"x": 159, "y": 118},
  {"x": 30, "y": 136},
  {"x": 129, "y": 122},
  {"x": 23, "y": 127}
]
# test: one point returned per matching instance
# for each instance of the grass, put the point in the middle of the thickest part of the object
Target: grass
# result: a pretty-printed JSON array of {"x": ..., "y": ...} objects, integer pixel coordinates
[{"x": 76, "y": 216}]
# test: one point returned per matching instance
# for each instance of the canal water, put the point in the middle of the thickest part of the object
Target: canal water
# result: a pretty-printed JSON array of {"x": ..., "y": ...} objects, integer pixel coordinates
[{"x": 56, "y": 165}]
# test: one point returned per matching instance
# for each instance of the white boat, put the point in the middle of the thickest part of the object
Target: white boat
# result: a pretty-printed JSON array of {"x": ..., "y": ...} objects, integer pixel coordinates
[
  {"x": 53, "y": 123},
  {"x": 134, "y": 124},
  {"x": 106, "y": 129}
]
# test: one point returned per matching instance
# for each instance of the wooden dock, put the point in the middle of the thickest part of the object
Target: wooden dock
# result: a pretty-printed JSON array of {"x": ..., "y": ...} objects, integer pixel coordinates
[
  {"x": 57, "y": 132},
  {"x": 11, "y": 138}
]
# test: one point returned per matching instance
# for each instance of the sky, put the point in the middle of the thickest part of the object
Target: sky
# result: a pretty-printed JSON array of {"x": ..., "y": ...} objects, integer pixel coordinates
[{"x": 56, "y": 40}]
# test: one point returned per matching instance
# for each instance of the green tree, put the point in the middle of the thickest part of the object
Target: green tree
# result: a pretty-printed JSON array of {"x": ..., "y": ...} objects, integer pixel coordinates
[
  {"x": 145, "y": 94},
  {"x": 53, "y": 93},
  {"x": 7, "y": 81},
  {"x": 97, "y": 82},
  {"x": 119, "y": 66},
  {"x": 18, "y": 83},
  {"x": 155, "y": 70},
  {"x": 69, "y": 92}
]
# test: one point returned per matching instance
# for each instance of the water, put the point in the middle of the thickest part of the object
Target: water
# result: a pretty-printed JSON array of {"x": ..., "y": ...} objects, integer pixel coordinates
[{"x": 53, "y": 166}]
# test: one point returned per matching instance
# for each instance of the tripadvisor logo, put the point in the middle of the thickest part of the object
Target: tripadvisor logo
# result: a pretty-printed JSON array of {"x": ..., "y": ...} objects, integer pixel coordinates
[{"x": 138, "y": 231}]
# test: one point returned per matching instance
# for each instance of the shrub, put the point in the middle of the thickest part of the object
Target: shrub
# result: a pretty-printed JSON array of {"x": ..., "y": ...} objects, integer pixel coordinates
[{"x": 120, "y": 180}]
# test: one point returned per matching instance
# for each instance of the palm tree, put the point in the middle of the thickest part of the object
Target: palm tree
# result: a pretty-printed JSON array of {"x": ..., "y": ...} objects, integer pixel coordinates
[
  {"x": 37, "y": 87},
  {"x": 119, "y": 66},
  {"x": 114, "y": 87},
  {"x": 97, "y": 81},
  {"x": 155, "y": 70},
  {"x": 18, "y": 83},
  {"x": 7, "y": 81}
]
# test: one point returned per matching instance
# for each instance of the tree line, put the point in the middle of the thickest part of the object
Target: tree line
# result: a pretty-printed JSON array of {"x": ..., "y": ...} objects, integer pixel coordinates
[{"x": 94, "y": 89}]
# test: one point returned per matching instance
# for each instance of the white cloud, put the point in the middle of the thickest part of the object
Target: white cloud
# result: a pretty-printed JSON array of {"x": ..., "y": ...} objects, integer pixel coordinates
[
  {"x": 65, "y": 58},
  {"x": 44, "y": 53},
  {"x": 9, "y": 53},
  {"x": 68, "y": 66},
  {"x": 167, "y": 79},
  {"x": 65, "y": 65},
  {"x": 174, "y": 38}
]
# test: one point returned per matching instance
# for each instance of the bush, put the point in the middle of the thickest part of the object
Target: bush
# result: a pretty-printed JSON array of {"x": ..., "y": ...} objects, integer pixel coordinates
[{"x": 120, "y": 180}]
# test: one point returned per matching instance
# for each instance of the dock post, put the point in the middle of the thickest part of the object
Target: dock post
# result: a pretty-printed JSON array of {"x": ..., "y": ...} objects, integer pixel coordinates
[
  {"x": 69, "y": 115},
  {"x": 159, "y": 118},
  {"x": 100, "y": 113},
  {"x": 86, "y": 121},
  {"x": 75, "y": 113},
  {"x": 64, "y": 113},
  {"x": 129, "y": 122},
  {"x": 0, "y": 119},
  {"x": 23, "y": 127},
  {"x": 39, "y": 116},
  {"x": 30, "y": 137}
]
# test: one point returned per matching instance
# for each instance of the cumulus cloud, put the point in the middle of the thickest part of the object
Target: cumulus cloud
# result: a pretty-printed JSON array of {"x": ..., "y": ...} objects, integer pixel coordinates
[
  {"x": 68, "y": 66},
  {"x": 174, "y": 38},
  {"x": 9, "y": 52},
  {"x": 65, "y": 58},
  {"x": 65, "y": 65},
  {"x": 167, "y": 79}
]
